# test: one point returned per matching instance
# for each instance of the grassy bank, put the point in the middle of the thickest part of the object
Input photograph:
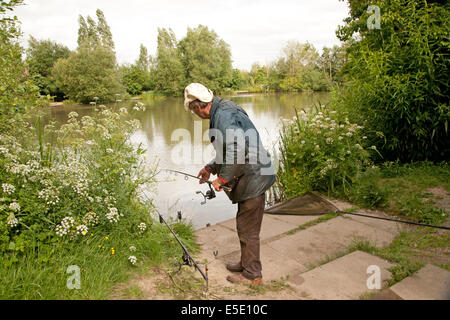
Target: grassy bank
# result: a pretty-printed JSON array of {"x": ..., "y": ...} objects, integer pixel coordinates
[
  {"x": 102, "y": 261},
  {"x": 416, "y": 191},
  {"x": 70, "y": 196}
]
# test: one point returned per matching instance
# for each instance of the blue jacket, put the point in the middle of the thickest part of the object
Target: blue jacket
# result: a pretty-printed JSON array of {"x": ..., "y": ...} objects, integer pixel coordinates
[{"x": 241, "y": 160}]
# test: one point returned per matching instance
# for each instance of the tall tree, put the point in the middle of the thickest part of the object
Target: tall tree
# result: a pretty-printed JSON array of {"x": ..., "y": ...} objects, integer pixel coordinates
[
  {"x": 93, "y": 35},
  {"x": 298, "y": 59},
  {"x": 169, "y": 71},
  {"x": 89, "y": 73},
  {"x": 104, "y": 31},
  {"x": 331, "y": 62},
  {"x": 92, "y": 70},
  {"x": 143, "y": 61},
  {"x": 206, "y": 58},
  {"x": 41, "y": 57},
  {"x": 82, "y": 30}
]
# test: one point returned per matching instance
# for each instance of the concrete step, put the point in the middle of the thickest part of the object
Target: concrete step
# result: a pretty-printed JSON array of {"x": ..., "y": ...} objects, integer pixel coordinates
[
  {"x": 284, "y": 254},
  {"x": 342, "y": 279},
  {"x": 429, "y": 283},
  {"x": 223, "y": 239},
  {"x": 328, "y": 240}
]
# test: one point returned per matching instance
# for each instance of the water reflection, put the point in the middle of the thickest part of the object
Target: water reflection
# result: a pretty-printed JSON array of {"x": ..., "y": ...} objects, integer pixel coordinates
[{"x": 165, "y": 115}]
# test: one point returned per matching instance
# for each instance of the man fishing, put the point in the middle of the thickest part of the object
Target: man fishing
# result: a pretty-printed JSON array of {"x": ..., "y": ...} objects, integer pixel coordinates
[{"x": 242, "y": 163}]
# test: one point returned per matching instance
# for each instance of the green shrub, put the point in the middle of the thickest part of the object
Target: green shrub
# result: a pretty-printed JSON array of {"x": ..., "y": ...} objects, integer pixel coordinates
[
  {"x": 398, "y": 77},
  {"x": 89, "y": 73},
  {"x": 18, "y": 93},
  {"x": 85, "y": 181},
  {"x": 319, "y": 151}
]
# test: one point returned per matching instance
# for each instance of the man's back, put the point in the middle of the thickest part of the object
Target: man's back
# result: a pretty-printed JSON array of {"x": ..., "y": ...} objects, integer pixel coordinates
[{"x": 239, "y": 151}]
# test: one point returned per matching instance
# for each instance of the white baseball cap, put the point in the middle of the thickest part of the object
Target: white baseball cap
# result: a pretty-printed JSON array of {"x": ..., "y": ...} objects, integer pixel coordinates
[{"x": 196, "y": 91}]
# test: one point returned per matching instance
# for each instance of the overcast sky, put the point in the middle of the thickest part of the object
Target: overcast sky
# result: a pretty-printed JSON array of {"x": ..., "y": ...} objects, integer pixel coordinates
[{"x": 256, "y": 30}]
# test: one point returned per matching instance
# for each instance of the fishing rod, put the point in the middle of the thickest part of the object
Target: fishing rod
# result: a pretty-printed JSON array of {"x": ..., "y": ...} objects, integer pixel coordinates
[
  {"x": 187, "y": 257},
  {"x": 210, "y": 194}
]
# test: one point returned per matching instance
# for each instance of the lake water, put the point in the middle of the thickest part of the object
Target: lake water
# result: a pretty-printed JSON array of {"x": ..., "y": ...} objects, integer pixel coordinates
[{"x": 165, "y": 121}]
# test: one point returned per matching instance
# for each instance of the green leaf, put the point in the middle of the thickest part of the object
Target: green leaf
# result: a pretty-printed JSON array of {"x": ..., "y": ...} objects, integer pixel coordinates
[{"x": 11, "y": 246}]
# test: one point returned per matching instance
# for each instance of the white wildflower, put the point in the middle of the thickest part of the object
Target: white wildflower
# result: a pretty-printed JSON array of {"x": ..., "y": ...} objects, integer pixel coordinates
[
  {"x": 8, "y": 188},
  {"x": 64, "y": 227},
  {"x": 73, "y": 114},
  {"x": 303, "y": 141},
  {"x": 12, "y": 220},
  {"x": 106, "y": 113},
  {"x": 82, "y": 229},
  {"x": 373, "y": 147},
  {"x": 14, "y": 206},
  {"x": 132, "y": 248},
  {"x": 340, "y": 138},
  {"x": 109, "y": 150},
  {"x": 142, "y": 226},
  {"x": 112, "y": 215},
  {"x": 132, "y": 259},
  {"x": 90, "y": 219}
]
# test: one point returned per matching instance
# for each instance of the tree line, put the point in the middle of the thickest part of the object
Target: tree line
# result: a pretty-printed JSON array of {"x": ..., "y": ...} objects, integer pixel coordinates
[
  {"x": 91, "y": 71},
  {"x": 393, "y": 80}
]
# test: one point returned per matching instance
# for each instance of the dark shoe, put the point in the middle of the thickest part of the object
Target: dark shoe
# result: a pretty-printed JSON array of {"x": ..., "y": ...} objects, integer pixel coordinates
[
  {"x": 234, "y": 267},
  {"x": 241, "y": 279}
]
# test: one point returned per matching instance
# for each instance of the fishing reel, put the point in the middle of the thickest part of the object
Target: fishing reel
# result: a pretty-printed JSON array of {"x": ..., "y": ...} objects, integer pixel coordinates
[{"x": 210, "y": 194}]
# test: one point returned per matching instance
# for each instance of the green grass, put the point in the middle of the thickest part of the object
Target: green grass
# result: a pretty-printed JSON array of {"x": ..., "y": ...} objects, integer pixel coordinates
[
  {"x": 402, "y": 190},
  {"x": 313, "y": 223},
  {"x": 411, "y": 250},
  {"x": 42, "y": 274}
]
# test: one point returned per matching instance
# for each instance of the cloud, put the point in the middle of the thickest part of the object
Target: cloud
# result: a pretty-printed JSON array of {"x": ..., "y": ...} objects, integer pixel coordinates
[{"x": 256, "y": 30}]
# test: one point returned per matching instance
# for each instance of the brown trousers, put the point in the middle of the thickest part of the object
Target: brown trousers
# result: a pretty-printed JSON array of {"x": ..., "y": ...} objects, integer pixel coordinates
[{"x": 248, "y": 224}]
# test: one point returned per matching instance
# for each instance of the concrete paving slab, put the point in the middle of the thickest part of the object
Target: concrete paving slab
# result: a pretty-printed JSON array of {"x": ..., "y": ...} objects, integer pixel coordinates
[
  {"x": 218, "y": 238},
  {"x": 346, "y": 230},
  {"x": 295, "y": 221},
  {"x": 306, "y": 247},
  {"x": 274, "y": 265},
  {"x": 386, "y": 294},
  {"x": 384, "y": 225},
  {"x": 270, "y": 227},
  {"x": 429, "y": 283},
  {"x": 343, "y": 278}
]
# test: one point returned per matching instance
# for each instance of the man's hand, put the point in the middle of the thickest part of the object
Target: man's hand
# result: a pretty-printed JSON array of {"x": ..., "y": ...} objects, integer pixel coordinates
[
  {"x": 217, "y": 185},
  {"x": 203, "y": 174}
]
